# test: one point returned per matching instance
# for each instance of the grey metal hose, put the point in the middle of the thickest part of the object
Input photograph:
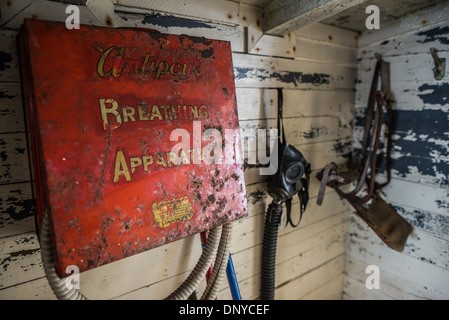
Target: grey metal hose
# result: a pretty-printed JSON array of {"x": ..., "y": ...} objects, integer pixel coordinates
[
  {"x": 198, "y": 273},
  {"x": 200, "y": 270},
  {"x": 57, "y": 284},
  {"x": 220, "y": 264},
  {"x": 214, "y": 244}
]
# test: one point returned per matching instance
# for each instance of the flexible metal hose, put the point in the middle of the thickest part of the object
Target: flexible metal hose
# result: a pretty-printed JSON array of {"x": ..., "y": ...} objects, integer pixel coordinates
[
  {"x": 220, "y": 264},
  {"x": 199, "y": 271},
  {"x": 214, "y": 244},
  {"x": 57, "y": 284}
]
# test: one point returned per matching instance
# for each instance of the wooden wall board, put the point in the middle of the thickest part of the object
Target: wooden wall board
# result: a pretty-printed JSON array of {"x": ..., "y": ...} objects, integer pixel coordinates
[
  {"x": 319, "y": 110},
  {"x": 418, "y": 190}
]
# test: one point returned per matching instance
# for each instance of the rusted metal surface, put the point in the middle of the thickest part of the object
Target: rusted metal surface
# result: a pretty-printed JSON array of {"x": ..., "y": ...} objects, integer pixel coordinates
[{"x": 102, "y": 104}]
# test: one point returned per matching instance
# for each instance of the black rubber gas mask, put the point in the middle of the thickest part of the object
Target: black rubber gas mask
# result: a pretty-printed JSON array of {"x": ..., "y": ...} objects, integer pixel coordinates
[
  {"x": 291, "y": 176},
  {"x": 293, "y": 172}
]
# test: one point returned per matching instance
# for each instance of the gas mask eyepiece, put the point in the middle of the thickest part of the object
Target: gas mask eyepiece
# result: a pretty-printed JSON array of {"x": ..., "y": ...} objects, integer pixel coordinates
[{"x": 294, "y": 172}]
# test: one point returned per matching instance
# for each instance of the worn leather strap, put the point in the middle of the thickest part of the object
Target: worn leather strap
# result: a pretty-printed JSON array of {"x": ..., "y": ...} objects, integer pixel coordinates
[
  {"x": 325, "y": 178},
  {"x": 380, "y": 217},
  {"x": 366, "y": 169},
  {"x": 280, "y": 121}
]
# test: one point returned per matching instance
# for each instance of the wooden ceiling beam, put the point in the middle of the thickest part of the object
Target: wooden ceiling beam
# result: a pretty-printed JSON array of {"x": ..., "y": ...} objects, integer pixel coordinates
[{"x": 283, "y": 16}]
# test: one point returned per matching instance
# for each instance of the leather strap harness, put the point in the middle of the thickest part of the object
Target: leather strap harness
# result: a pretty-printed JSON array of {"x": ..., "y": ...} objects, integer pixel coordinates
[{"x": 382, "y": 218}]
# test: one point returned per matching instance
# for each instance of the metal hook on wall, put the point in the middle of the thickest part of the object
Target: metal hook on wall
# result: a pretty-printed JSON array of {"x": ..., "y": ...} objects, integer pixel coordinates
[{"x": 440, "y": 65}]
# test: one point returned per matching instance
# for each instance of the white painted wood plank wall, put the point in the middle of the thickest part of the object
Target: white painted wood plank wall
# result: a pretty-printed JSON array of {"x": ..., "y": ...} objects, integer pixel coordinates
[
  {"x": 419, "y": 189},
  {"x": 319, "y": 77}
]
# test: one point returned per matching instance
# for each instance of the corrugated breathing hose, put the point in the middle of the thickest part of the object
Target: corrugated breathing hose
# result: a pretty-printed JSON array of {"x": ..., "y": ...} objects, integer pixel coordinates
[
  {"x": 220, "y": 264},
  {"x": 216, "y": 246},
  {"x": 57, "y": 284},
  {"x": 213, "y": 245},
  {"x": 270, "y": 235}
]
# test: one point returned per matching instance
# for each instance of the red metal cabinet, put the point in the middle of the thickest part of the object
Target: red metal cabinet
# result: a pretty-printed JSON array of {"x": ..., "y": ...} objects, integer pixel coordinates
[{"x": 102, "y": 105}]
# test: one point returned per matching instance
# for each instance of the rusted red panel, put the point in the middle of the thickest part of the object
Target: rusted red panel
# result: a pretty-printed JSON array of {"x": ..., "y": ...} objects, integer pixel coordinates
[{"x": 102, "y": 105}]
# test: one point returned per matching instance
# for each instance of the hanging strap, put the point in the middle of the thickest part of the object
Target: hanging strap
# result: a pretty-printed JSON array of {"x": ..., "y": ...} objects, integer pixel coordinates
[
  {"x": 280, "y": 121},
  {"x": 391, "y": 228},
  {"x": 366, "y": 167}
]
